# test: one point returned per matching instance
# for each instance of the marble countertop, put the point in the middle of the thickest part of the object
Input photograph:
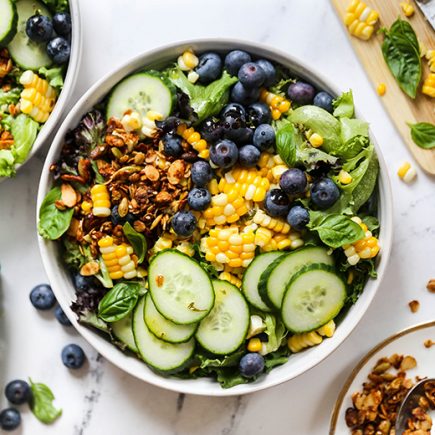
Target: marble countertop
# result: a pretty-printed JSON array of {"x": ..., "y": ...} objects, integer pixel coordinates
[{"x": 100, "y": 398}]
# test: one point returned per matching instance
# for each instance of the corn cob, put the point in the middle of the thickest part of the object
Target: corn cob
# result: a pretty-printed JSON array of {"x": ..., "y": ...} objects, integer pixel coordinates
[
  {"x": 149, "y": 123},
  {"x": 283, "y": 241},
  {"x": 228, "y": 246},
  {"x": 275, "y": 224},
  {"x": 406, "y": 172},
  {"x": 360, "y": 19},
  {"x": 101, "y": 200},
  {"x": 132, "y": 121},
  {"x": 37, "y": 98},
  {"x": 227, "y": 276},
  {"x": 225, "y": 208},
  {"x": 193, "y": 138},
  {"x": 117, "y": 259},
  {"x": 366, "y": 248},
  {"x": 277, "y": 104},
  {"x": 428, "y": 87},
  {"x": 407, "y": 8},
  {"x": 298, "y": 342}
]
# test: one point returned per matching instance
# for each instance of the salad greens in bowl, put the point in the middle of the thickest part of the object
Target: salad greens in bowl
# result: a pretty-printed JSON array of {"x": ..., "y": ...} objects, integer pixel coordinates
[
  {"x": 40, "y": 47},
  {"x": 214, "y": 217}
]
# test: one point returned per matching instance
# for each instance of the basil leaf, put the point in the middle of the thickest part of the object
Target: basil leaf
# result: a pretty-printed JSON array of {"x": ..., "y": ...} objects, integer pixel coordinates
[
  {"x": 119, "y": 301},
  {"x": 423, "y": 134},
  {"x": 137, "y": 241},
  {"x": 371, "y": 222},
  {"x": 343, "y": 105},
  {"x": 336, "y": 230},
  {"x": 42, "y": 403},
  {"x": 402, "y": 55},
  {"x": 285, "y": 140},
  {"x": 52, "y": 221}
]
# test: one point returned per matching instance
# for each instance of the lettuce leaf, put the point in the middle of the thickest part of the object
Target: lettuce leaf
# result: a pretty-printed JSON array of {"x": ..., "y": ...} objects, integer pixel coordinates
[
  {"x": 7, "y": 166},
  {"x": 24, "y": 130},
  {"x": 275, "y": 331},
  {"x": 54, "y": 76},
  {"x": 9, "y": 97},
  {"x": 343, "y": 105}
]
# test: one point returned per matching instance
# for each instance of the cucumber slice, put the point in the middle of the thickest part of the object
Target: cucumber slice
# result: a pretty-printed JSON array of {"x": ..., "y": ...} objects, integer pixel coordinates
[
  {"x": 252, "y": 275},
  {"x": 314, "y": 296},
  {"x": 122, "y": 330},
  {"x": 274, "y": 280},
  {"x": 163, "y": 328},
  {"x": 158, "y": 354},
  {"x": 180, "y": 288},
  {"x": 140, "y": 92},
  {"x": 8, "y": 22},
  {"x": 26, "y": 53},
  {"x": 224, "y": 329}
]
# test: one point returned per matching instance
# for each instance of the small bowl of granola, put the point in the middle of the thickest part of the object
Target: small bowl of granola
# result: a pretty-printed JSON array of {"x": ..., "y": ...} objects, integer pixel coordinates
[{"x": 214, "y": 217}]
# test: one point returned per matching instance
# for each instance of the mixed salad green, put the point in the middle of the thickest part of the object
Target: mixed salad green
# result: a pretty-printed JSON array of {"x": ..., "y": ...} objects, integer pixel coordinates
[{"x": 217, "y": 215}]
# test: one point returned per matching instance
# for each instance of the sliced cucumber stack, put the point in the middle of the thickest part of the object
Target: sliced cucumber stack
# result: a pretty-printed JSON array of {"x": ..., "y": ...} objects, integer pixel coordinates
[
  {"x": 315, "y": 295},
  {"x": 163, "y": 328},
  {"x": 158, "y": 354},
  {"x": 251, "y": 278},
  {"x": 181, "y": 290},
  {"x": 123, "y": 331},
  {"x": 26, "y": 53},
  {"x": 140, "y": 92},
  {"x": 8, "y": 21},
  {"x": 224, "y": 329},
  {"x": 274, "y": 280}
]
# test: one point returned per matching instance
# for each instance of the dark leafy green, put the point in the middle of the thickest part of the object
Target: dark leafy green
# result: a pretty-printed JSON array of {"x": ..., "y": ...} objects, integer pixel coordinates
[
  {"x": 343, "y": 105},
  {"x": 423, "y": 134},
  {"x": 56, "y": 5},
  {"x": 277, "y": 358},
  {"x": 119, "y": 301},
  {"x": 74, "y": 255},
  {"x": 41, "y": 403},
  {"x": 90, "y": 318},
  {"x": 137, "y": 241},
  {"x": 90, "y": 130}
]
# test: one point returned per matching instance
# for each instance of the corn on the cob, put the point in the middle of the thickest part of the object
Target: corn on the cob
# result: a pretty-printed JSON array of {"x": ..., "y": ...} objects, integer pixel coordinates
[
  {"x": 225, "y": 208},
  {"x": 275, "y": 224},
  {"x": 149, "y": 123},
  {"x": 430, "y": 56},
  {"x": 277, "y": 104},
  {"x": 117, "y": 259},
  {"x": 37, "y": 98},
  {"x": 428, "y": 87},
  {"x": 229, "y": 246},
  {"x": 279, "y": 242},
  {"x": 132, "y": 121},
  {"x": 299, "y": 342},
  {"x": 406, "y": 172},
  {"x": 100, "y": 200},
  {"x": 367, "y": 247},
  {"x": 407, "y": 8},
  {"x": 193, "y": 138},
  {"x": 233, "y": 279},
  {"x": 360, "y": 19}
]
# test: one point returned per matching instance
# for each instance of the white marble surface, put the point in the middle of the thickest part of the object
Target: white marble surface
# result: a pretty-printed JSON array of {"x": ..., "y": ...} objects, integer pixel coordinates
[{"x": 101, "y": 399}]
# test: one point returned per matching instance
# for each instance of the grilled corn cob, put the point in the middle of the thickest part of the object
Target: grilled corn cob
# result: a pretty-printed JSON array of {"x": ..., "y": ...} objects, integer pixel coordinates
[
  {"x": 117, "y": 259},
  {"x": 225, "y": 208},
  {"x": 298, "y": 342},
  {"x": 37, "y": 98},
  {"x": 428, "y": 87},
  {"x": 194, "y": 139},
  {"x": 277, "y": 104},
  {"x": 100, "y": 200},
  {"x": 360, "y": 19}
]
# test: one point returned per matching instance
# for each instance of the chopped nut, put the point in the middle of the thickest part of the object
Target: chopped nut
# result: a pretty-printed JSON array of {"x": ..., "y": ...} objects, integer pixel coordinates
[
  {"x": 60, "y": 205},
  {"x": 84, "y": 168},
  {"x": 89, "y": 269},
  {"x": 408, "y": 363},
  {"x": 123, "y": 207},
  {"x": 176, "y": 171},
  {"x": 414, "y": 306},
  {"x": 431, "y": 285},
  {"x": 139, "y": 226},
  {"x": 163, "y": 198},
  {"x": 68, "y": 195}
]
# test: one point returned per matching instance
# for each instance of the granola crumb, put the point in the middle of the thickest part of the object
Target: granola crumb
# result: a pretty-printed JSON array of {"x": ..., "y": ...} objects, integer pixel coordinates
[
  {"x": 429, "y": 343},
  {"x": 431, "y": 285},
  {"x": 414, "y": 306}
]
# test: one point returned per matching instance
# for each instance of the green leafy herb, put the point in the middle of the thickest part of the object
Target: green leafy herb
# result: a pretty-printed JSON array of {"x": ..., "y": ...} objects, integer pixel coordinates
[
  {"x": 275, "y": 331},
  {"x": 402, "y": 54},
  {"x": 56, "y": 5},
  {"x": 229, "y": 378},
  {"x": 371, "y": 222},
  {"x": 42, "y": 403},
  {"x": 354, "y": 135},
  {"x": 205, "y": 100},
  {"x": 423, "y": 134},
  {"x": 74, "y": 255},
  {"x": 119, "y": 301},
  {"x": 54, "y": 76},
  {"x": 343, "y": 105},
  {"x": 7, "y": 166},
  {"x": 137, "y": 241},
  {"x": 98, "y": 177},
  {"x": 277, "y": 358},
  {"x": 52, "y": 221},
  {"x": 9, "y": 97},
  {"x": 24, "y": 129},
  {"x": 231, "y": 360}
]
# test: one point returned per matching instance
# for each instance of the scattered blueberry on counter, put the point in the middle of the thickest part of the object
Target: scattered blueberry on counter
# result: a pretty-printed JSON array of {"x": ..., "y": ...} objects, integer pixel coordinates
[
  {"x": 18, "y": 392},
  {"x": 73, "y": 356},
  {"x": 61, "y": 316},
  {"x": 42, "y": 297},
  {"x": 10, "y": 419}
]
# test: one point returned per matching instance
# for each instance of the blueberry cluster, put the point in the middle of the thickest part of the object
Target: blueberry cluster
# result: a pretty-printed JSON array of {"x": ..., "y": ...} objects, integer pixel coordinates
[
  {"x": 302, "y": 93},
  {"x": 55, "y": 32}
]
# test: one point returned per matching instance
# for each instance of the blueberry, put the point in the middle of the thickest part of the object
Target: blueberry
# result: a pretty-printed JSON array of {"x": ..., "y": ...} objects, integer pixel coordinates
[
  {"x": 199, "y": 198},
  {"x": 324, "y": 193},
  {"x": 324, "y": 100},
  {"x": 39, "y": 28},
  {"x": 293, "y": 181},
  {"x": 224, "y": 153},
  {"x": 172, "y": 145},
  {"x": 249, "y": 155},
  {"x": 10, "y": 419},
  {"x": 264, "y": 137},
  {"x": 61, "y": 316},
  {"x": 82, "y": 283},
  {"x": 251, "y": 75},
  {"x": 269, "y": 71},
  {"x": 73, "y": 356},
  {"x": 62, "y": 23},
  {"x": 258, "y": 113},
  {"x": 184, "y": 223},
  {"x": 42, "y": 297},
  {"x": 251, "y": 365},
  {"x": 298, "y": 217},
  {"x": 242, "y": 95},
  {"x": 18, "y": 392},
  {"x": 59, "y": 49},
  {"x": 235, "y": 59},
  {"x": 211, "y": 130},
  {"x": 201, "y": 173},
  {"x": 301, "y": 93},
  {"x": 233, "y": 126},
  {"x": 115, "y": 216},
  {"x": 245, "y": 136},
  {"x": 277, "y": 203},
  {"x": 209, "y": 67},
  {"x": 234, "y": 109}
]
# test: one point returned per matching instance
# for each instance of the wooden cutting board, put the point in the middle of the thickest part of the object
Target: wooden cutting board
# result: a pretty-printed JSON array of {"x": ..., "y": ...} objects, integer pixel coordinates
[{"x": 401, "y": 108}]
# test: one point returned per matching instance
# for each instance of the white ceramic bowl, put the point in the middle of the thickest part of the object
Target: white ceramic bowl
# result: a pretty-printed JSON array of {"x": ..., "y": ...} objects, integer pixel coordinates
[
  {"x": 60, "y": 278},
  {"x": 68, "y": 87}
]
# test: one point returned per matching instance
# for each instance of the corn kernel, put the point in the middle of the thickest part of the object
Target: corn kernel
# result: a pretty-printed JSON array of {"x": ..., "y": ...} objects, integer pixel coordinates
[
  {"x": 344, "y": 177},
  {"x": 407, "y": 8},
  {"x": 316, "y": 140},
  {"x": 381, "y": 89},
  {"x": 194, "y": 139},
  {"x": 254, "y": 345},
  {"x": 277, "y": 104},
  {"x": 406, "y": 172}
]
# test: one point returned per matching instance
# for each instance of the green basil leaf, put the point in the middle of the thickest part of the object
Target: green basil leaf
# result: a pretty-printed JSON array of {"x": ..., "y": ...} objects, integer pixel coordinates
[
  {"x": 336, "y": 230},
  {"x": 402, "y": 54},
  {"x": 423, "y": 134},
  {"x": 371, "y": 222},
  {"x": 42, "y": 403},
  {"x": 119, "y": 301},
  {"x": 52, "y": 221},
  {"x": 343, "y": 105},
  {"x": 137, "y": 241},
  {"x": 286, "y": 139}
]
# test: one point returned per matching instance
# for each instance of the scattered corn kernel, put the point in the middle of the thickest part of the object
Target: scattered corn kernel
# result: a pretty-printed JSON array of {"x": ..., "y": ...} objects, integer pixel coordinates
[
  {"x": 100, "y": 200},
  {"x": 360, "y": 19},
  {"x": 131, "y": 121},
  {"x": 406, "y": 172},
  {"x": 117, "y": 259},
  {"x": 428, "y": 87},
  {"x": 316, "y": 140},
  {"x": 430, "y": 56},
  {"x": 254, "y": 345},
  {"x": 187, "y": 61},
  {"x": 407, "y": 8},
  {"x": 381, "y": 89},
  {"x": 278, "y": 104},
  {"x": 344, "y": 177}
]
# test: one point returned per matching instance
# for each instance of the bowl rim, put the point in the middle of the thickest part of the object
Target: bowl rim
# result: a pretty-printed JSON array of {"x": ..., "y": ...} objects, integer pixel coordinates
[
  {"x": 213, "y": 388},
  {"x": 68, "y": 88}
]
